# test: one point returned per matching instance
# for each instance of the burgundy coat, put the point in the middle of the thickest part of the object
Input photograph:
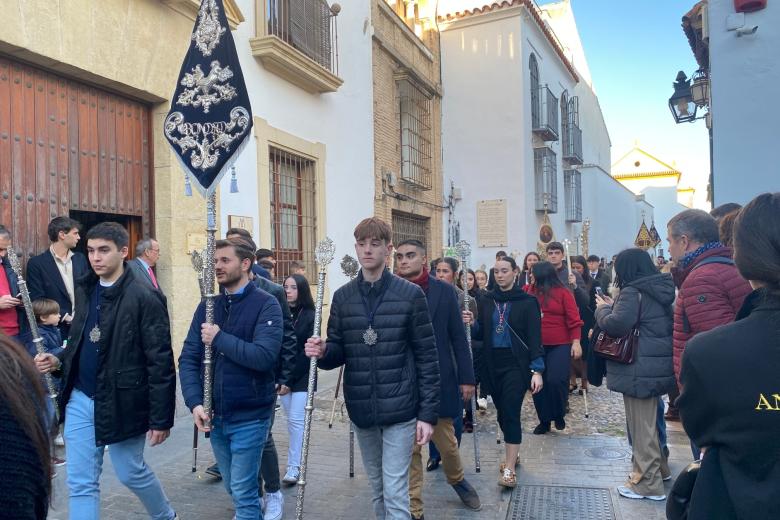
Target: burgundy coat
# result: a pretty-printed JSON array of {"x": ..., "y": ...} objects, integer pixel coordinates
[{"x": 710, "y": 295}]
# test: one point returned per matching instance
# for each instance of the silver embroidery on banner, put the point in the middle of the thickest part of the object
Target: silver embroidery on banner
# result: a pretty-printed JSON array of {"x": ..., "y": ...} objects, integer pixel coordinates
[
  {"x": 206, "y": 138},
  {"x": 206, "y": 90},
  {"x": 209, "y": 31}
]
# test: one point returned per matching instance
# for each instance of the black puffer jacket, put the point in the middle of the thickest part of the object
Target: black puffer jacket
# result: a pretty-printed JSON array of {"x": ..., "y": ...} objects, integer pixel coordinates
[
  {"x": 397, "y": 379},
  {"x": 652, "y": 373},
  {"x": 136, "y": 378},
  {"x": 287, "y": 357}
]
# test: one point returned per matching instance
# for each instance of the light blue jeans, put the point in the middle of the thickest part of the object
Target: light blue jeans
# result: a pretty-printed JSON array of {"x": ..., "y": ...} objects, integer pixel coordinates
[
  {"x": 238, "y": 447},
  {"x": 387, "y": 452},
  {"x": 85, "y": 463}
]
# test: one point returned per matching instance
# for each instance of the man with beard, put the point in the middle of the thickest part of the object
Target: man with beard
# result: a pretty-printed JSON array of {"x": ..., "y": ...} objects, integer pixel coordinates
[
  {"x": 380, "y": 329},
  {"x": 456, "y": 375},
  {"x": 119, "y": 381},
  {"x": 245, "y": 339}
]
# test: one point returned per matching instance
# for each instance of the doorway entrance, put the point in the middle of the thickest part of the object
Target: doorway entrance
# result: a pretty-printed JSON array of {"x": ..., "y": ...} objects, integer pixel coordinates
[{"x": 89, "y": 219}]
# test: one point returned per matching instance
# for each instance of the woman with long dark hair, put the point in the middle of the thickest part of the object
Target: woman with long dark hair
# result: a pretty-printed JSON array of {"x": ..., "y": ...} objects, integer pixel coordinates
[
  {"x": 561, "y": 329},
  {"x": 529, "y": 261},
  {"x": 509, "y": 325},
  {"x": 25, "y": 482},
  {"x": 579, "y": 367},
  {"x": 737, "y": 425},
  {"x": 645, "y": 302},
  {"x": 294, "y": 398}
]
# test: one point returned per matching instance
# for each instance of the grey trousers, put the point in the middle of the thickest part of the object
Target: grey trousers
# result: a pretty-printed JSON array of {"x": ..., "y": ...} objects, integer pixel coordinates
[
  {"x": 646, "y": 450},
  {"x": 387, "y": 452}
]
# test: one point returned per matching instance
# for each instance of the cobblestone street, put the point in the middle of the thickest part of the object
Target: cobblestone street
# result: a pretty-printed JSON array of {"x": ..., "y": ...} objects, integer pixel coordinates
[{"x": 590, "y": 454}]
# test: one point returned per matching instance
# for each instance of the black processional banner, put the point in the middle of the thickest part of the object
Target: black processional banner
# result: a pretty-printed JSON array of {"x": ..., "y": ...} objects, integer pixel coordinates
[{"x": 210, "y": 117}]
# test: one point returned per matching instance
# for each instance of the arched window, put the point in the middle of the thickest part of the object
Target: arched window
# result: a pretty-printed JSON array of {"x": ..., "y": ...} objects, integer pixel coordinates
[
  {"x": 535, "y": 101},
  {"x": 564, "y": 118}
]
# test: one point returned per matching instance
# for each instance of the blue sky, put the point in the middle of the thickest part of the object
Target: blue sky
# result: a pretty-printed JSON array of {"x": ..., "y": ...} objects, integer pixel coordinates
[{"x": 634, "y": 50}]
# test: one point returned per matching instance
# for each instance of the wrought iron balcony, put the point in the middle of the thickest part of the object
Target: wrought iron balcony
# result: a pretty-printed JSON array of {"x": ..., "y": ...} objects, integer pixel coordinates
[
  {"x": 546, "y": 180},
  {"x": 308, "y": 26},
  {"x": 544, "y": 114},
  {"x": 572, "y": 144}
]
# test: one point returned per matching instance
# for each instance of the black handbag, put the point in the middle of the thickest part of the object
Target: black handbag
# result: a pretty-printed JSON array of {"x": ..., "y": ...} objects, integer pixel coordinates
[{"x": 679, "y": 500}]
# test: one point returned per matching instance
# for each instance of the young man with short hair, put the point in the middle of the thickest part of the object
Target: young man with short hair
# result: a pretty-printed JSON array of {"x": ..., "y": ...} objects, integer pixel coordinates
[
  {"x": 119, "y": 380},
  {"x": 245, "y": 337},
  {"x": 456, "y": 372},
  {"x": 380, "y": 329},
  {"x": 555, "y": 255},
  {"x": 597, "y": 274}
]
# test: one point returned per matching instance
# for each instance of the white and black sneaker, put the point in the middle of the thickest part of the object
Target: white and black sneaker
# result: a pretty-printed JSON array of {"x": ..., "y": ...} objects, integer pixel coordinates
[
  {"x": 292, "y": 475},
  {"x": 627, "y": 492}
]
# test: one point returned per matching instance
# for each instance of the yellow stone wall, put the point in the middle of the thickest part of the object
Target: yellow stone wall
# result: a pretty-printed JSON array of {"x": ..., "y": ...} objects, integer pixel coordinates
[
  {"x": 397, "y": 47},
  {"x": 134, "y": 47}
]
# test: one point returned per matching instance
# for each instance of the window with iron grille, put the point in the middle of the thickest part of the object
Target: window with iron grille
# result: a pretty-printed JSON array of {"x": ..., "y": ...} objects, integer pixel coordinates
[
  {"x": 572, "y": 185},
  {"x": 416, "y": 147},
  {"x": 307, "y": 25},
  {"x": 407, "y": 226},
  {"x": 293, "y": 217},
  {"x": 546, "y": 180},
  {"x": 536, "y": 107},
  {"x": 571, "y": 132}
]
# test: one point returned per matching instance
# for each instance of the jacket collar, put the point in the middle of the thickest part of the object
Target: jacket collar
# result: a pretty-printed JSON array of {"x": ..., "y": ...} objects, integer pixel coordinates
[
  {"x": 694, "y": 258},
  {"x": 235, "y": 298},
  {"x": 90, "y": 280}
]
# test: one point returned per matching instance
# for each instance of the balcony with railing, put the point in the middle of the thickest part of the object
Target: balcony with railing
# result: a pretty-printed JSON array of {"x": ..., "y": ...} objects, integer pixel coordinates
[
  {"x": 545, "y": 180},
  {"x": 544, "y": 114},
  {"x": 572, "y": 185},
  {"x": 299, "y": 42},
  {"x": 572, "y": 144}
]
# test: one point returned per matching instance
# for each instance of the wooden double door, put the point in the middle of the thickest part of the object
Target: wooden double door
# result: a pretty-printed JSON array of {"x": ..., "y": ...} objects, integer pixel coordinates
[{"x": 68, "y": 148}]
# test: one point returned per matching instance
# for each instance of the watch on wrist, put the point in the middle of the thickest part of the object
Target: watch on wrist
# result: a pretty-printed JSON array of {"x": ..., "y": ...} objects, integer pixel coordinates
[{"x": 535, "y": 372}]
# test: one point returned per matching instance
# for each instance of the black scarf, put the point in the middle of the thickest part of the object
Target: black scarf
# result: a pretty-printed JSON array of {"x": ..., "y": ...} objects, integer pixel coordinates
[{"x": 512, "y": 295}]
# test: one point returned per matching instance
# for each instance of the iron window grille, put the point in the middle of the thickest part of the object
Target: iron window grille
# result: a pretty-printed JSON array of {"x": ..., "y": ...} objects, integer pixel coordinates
[
  {"x": 407, "y": 226},
  {"x": 571, "y": 133},
  {"x": 306, "y": 25},
  {"x": 415, "y": 108},
  {"x": 534, "y": 79},
  {"x": 293, "y": 216},
  {"x": 546, "y": 180},
  {"x": 572, "y": 185},
  {"x": 545, "y": 108}
]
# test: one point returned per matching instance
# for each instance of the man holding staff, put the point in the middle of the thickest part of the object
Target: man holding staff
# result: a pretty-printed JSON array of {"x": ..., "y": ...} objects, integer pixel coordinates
[{"x": 380, "y": 329}]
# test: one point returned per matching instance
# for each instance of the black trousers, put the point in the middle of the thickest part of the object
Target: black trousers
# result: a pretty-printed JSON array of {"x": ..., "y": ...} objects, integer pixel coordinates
[
  {"x": 550, "y": 402},
  {"x": 269, "y": 464},
  {"x": 510, "y": 382}
]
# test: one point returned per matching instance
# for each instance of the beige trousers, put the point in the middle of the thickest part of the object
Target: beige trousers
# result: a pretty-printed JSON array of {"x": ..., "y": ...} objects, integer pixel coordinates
[
  {"x": 647, "y": 458},
  {"x": 445, "y": 441}
]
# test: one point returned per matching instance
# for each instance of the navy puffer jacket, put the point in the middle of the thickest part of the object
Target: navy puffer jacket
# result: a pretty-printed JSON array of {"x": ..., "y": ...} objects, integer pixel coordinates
[{"x": 397, "y": 379}]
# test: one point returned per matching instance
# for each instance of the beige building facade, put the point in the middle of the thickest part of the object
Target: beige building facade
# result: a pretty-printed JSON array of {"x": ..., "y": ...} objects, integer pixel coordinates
[
  {"x": 407, "y": 120},
  {"x": 130, "y": 50}
]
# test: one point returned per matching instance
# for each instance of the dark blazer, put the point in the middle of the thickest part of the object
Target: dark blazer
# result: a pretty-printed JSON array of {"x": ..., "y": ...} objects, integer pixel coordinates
[
  {"x": 738, "y": 423},
  {"x": 136, "y": 377},
  {"x": 44, "y": 281},
  {"x": 136, "y": 265},
  {"x": 455, "y": 365}
]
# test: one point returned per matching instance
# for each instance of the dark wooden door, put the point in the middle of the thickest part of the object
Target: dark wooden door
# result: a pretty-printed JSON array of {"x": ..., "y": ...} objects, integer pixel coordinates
[{"x": 68, "y": 147}]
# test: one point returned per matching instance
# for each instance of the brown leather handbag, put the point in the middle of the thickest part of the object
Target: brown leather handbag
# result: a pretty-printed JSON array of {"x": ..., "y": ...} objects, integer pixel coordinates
[{"x": 623, "y": 348}]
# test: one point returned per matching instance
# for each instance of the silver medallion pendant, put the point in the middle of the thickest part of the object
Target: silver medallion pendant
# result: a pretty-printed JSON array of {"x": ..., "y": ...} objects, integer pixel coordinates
[
  {"x": 370, "y": 336},
  {"x": 500, "y": 329},
  {"x": 94, "y": 334}
]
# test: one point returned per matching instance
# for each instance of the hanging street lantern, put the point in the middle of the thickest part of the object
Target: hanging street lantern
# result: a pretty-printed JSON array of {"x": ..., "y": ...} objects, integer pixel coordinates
[
  {"x": 700, "y": 88},
  {"x": 681, "y": 103}
]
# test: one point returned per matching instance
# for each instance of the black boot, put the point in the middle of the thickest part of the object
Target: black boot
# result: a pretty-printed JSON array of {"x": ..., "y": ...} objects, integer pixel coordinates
[
  {"x": 542, "y": 428},
  {"x": 468, "y": 495}
]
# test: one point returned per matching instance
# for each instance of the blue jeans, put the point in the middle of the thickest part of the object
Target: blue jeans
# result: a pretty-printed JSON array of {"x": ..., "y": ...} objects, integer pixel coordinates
[
  {"x": 238, "y": 447},
  {"x": 387, "y": 453},
  {"x": 85, "y": 463},
  {"x": 457, "y": 422}
]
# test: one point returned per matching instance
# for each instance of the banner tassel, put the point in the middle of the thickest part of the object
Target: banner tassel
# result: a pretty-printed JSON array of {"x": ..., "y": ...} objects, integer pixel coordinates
[{"x": 233, "y": 180}]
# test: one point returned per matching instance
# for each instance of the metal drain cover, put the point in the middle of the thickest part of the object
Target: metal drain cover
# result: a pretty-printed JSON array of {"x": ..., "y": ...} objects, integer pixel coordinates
[
  {"x": 560, "y": 503},
  {"x": 602, "y": 452}
]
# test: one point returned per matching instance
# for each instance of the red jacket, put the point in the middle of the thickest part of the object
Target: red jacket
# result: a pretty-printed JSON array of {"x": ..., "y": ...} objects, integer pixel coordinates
[
  {"x": 561, "y": 323},
  {"x": 710, "y": 295}
]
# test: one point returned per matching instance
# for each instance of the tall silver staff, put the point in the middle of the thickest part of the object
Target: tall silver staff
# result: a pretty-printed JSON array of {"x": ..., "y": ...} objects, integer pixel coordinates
[
  {"x": 37, "y": 339},
  {"x": 463, "y": 250},
  {"x": 323, "y": 254},
  {"x": 197, "y": 264},
  {"x": 350, "y": 267},
  {"x": 208, "y": 289}
]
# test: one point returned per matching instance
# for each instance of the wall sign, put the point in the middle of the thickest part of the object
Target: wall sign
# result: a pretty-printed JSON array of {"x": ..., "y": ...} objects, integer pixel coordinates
[
  {"x": 237, "y": 221},
  {"x": 491, "y": 223}
]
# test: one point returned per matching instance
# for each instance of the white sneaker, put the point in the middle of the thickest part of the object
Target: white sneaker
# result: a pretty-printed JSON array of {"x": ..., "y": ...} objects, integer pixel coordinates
[
  {"x": 58, "y": 440},
  {"x": 274, "y": 506},
  {"x": 291, "y": 477},
  {"x": 627, "y": 492}
]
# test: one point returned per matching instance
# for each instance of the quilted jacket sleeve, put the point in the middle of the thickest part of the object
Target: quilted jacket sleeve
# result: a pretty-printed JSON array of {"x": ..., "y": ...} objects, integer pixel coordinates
[
  {"x": 262, "y": 352},
  {"x": 618, "y": 320},
  {"x": 334, "y": 354}
]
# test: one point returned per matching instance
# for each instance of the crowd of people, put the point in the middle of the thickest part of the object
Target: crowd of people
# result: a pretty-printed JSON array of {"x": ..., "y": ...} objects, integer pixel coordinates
[{"x": 417, "y": 345}]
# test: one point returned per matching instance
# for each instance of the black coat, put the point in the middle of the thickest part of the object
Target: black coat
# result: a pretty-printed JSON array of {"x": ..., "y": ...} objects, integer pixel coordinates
[
  {"x": 731, "y": 379},
  {"x": 397, "y": 379},
  {"x": 44, "y": 281},
  {"x": 455, "y": 365},
  {"x": 136, "y": 378},
  {"x": 287, "y": 357},
  {"x": 303, "y": 322},
  {"x": 525, "y": 327}
]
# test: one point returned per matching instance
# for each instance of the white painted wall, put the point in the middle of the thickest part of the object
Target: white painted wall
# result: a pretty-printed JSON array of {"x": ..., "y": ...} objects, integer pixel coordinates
[
  {"x": 342, "y": 120},
  {"x": 745, "y": 75}
]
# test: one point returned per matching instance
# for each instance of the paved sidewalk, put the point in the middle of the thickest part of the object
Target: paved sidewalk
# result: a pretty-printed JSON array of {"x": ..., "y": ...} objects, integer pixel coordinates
[{"x": 594, "y": 460}]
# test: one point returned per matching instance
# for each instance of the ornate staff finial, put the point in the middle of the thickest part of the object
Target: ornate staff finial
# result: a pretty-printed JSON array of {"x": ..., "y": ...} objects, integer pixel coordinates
[
  {"x": 349, "y": 266},
  {"x": 463, "y": 249},
  {"x": 323, "y": 253}
]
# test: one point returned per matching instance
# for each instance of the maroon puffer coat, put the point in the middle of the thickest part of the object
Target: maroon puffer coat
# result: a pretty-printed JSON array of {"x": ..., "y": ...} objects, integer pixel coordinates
[{"x": 710, "y": 295}]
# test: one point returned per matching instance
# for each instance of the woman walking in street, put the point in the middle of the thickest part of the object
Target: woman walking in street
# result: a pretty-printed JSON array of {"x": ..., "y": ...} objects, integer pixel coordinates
[
  {"x": 293, "y": 398},
  {"x": 644, "y": 304},
  {"x": 509, "y": 326},
  {"x": 738, "y": 427},
  {"x": 561, "y": 329},
  {"x": 529, "y": 261}
]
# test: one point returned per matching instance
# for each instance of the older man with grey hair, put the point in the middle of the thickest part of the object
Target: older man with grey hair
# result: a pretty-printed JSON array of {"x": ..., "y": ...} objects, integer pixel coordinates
[{"x": 147, "y": 254}]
